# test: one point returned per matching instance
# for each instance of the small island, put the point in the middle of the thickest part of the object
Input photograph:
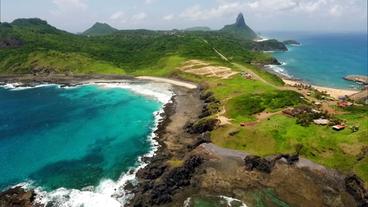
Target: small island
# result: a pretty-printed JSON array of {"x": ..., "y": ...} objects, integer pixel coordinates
[{"x": 291, "y": 42}]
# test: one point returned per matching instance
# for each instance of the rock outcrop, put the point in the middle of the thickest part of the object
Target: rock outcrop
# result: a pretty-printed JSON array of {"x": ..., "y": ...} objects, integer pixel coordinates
[
  {"x": 17, "y": 197},
  {"x": 10, "y": 42},
  {"x": 266, "y": 165},
  {"x": 355, "y": 186},
  {"x": 240, "y": 29},
  {"x": 162, "y": 191},
  {"x": 203, "y": 125},
  {"x": 357, "y": 78}
]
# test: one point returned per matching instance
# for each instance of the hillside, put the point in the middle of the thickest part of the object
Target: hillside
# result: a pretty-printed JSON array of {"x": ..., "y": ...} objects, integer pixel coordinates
[
  {"x": 99, "y": 29},
  {"x": 36, "y": 47}
]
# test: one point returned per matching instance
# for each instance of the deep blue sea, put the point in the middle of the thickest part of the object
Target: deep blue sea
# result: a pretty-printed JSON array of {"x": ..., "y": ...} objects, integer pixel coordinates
[
  {"x": 324, "y": 58},
  {"x": 72, "y": 138}
]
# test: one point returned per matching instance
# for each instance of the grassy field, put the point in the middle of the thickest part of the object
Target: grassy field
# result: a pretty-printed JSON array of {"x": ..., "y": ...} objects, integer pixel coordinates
[{"x": 281, "y": 134}]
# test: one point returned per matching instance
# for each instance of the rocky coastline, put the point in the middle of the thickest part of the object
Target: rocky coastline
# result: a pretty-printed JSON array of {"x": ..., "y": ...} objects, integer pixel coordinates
[
  {"x": 187, "y": 164},
  {"x": 362, "y": 79}
]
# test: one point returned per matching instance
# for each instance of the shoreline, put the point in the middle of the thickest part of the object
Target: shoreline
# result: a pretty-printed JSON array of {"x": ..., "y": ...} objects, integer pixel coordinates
[
  {"x": 116, "y": 187},
  {"x": 176, "y": 144},
  {"x": 333, "y": 92}
]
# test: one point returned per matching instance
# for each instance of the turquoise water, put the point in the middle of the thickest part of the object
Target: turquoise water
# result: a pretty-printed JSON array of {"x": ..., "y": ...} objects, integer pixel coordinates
[
  {"x": 74, "y": 137},
  {"x": 324, "y": 59}
]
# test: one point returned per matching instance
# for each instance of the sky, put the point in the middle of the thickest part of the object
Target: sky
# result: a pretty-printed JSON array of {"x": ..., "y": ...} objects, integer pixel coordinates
[{"x": 261, "y": 15}]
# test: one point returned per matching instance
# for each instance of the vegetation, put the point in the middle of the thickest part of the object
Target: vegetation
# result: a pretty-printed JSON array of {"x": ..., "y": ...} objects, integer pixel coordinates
[
  {"x": 45, "y": 49},
  {"x": 278, "y": 133},
  {"x": 133, "y": 50},
  {"x": 246, "y": 105}
]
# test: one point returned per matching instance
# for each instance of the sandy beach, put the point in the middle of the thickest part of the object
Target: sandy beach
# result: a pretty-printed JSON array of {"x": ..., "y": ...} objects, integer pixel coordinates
[
  {"x": 170, "y": 81},
  {"x": 333, "y": 92}
]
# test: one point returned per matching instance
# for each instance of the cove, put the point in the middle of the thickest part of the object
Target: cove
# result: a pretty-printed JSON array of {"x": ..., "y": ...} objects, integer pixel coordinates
[{"x": 72, "y": 137}]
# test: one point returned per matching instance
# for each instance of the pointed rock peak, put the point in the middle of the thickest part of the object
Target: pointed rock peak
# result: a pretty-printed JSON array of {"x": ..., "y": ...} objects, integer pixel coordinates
[{"x": 240, "y": 22}]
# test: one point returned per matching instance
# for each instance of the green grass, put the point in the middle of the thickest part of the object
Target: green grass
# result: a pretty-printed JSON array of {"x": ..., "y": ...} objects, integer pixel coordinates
[
  {"x": 280, "y": 134},
  {"x": 140, "y": 52},
  {"x": 58, "y": 62},
  {"x": 242, "y": 107},
  {"x": 164, "y": 68},
  {"x": 268, "y": 77},
  {"x": 224, "y": 89}
]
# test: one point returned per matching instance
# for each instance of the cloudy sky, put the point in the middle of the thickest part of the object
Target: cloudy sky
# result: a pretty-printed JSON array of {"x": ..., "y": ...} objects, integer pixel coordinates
[{"x": 262, "y": 15}]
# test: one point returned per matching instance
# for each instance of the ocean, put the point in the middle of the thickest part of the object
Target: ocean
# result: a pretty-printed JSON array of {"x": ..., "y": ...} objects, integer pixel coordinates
[
  {"x": 323, "y": 58},
  {"x": 77, "y": 145}
]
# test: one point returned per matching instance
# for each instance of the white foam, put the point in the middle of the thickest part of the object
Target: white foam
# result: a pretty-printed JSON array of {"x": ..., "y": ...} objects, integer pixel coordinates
[
  {"x": 261, "y": 39},
  {"x": 278, "y": 69},
  {"x": 187, "y": 202},
  {"x": 19, "y": 87},
  {"x": 229, "y": 200},
  {"x": 109, "y": 193},
  {"x": 160, "y": 91}
]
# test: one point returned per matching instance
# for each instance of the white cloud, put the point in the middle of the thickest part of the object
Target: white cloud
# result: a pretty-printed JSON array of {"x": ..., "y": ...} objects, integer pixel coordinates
[
  {"x": 117, "y": 15},
  {"x": 149, "y": 1},
  {"x": 66, "y": 5},
  {"x": 224, "y": 8},
  {"x": 168, "y": 17},
  {"x": 336, "y": 10},
  {"x": 270, "y": 8},
  {"x": 139, "y": 16}
]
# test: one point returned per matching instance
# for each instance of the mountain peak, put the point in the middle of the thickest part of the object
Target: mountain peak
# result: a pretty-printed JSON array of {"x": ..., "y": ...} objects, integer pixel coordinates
[
  {"x": 99, "y": 29},
  {"x": 240, "y": 29},
  {"x": 35, "y": 24},
  {"x": 29, "y": 22},
  {"x": 240, "y": 22}
]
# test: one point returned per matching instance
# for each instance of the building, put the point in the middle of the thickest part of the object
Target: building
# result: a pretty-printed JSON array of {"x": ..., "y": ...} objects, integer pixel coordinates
[
  {"x": 344, "y": 104},
  {"x": 339, "y": 127}
]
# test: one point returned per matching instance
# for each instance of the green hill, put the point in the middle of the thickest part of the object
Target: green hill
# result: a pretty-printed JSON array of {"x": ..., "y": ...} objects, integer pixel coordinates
[
  {"x": 240, "y": 29},
  {"x": 99, "y": 29},
  {"x": 35, "y": 25},
  {"x": 40, "y": 48}
]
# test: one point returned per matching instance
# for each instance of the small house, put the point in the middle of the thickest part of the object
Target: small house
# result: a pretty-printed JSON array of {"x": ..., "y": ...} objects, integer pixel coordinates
[
  {"x": 339, "y": 127},
  {"x": 344, "y": 104}
]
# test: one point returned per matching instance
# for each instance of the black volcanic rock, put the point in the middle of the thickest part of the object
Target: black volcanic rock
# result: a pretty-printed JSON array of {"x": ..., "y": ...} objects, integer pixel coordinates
[
  {"x": 10, "y": 42},
  {"x": 255, "y": 162},
  {"x": 161, "y": 191},
  {"x": 355, "y": 186},
  {"x": 17, "y": 197}
]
